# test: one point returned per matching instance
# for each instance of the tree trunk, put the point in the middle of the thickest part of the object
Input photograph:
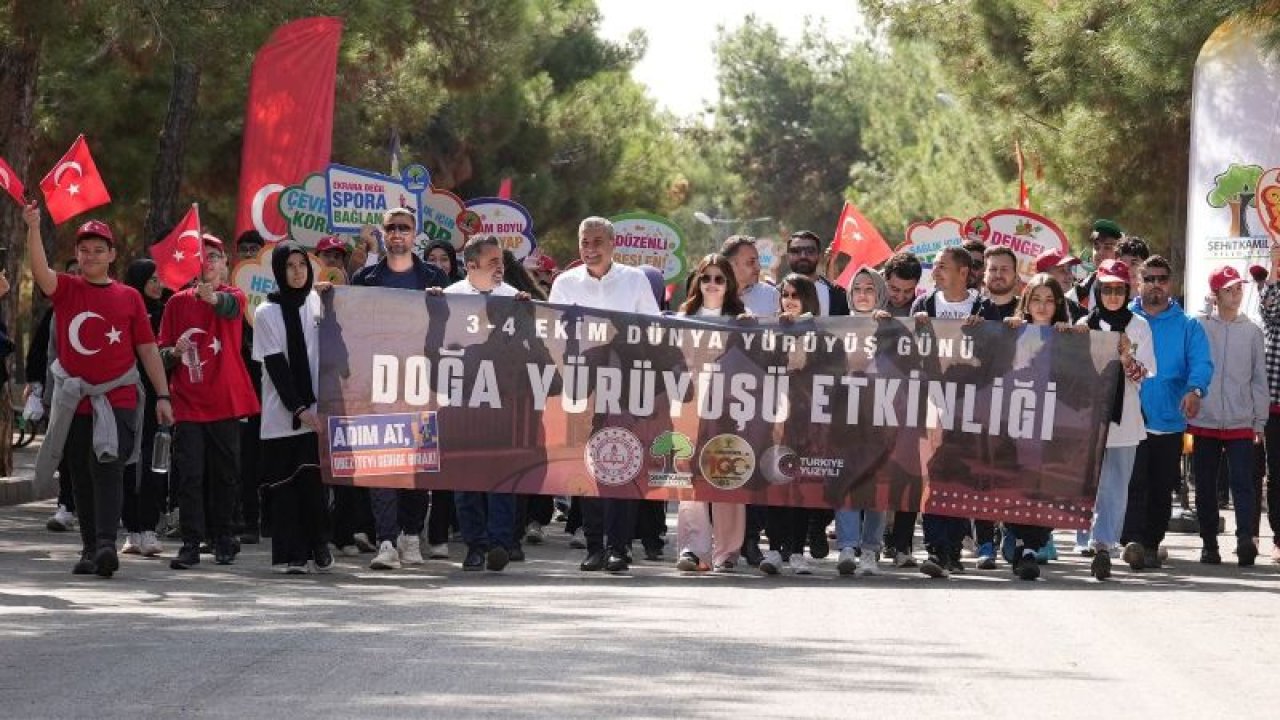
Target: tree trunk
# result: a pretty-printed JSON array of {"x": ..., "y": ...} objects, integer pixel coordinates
[
  {"x": 19, "y": 68},
  {"x": 166, "y": 174}
]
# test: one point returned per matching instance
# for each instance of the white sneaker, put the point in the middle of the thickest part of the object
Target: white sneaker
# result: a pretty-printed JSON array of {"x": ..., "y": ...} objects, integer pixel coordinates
[
  {"x": 438, "y": 552},
  {"x": 387, "y": 557},
  {"x": 132, "y": 544},
  {"x": 62, "y": 519},
  {"x": 799, "y": 564},
  {"x": 578, "y": 541},
  {"x": 362, "y": 542},
  {"x": 533, "y": 534},
  {"x": 151, "y": 544},
  {"x": 771, "y": 563},
  {"x": 848, "y": 561},
  {"x": 410, "y": 550},
  {"x": 869, "y": 564},
  {"x": 968, "y": 547},
  {"x": 903, "y": 560}
]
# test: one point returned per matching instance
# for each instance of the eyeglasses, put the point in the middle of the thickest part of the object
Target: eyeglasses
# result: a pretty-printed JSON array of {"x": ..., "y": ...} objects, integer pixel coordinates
[
  {"x": 802, "y": 250},
  {"x": 716, "y": 279},
  {"x": 790, "y": 296},
  {"x": 1118, "y": 290},
  {"x": 214, "y": 256},
  {"x": 1155, "y": 278},
  {"x": 398, "y": 228}
]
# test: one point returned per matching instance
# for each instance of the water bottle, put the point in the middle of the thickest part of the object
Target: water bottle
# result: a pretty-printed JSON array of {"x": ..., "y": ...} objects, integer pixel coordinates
[
  {"x": 191, "y": 358},
  {"x": 160, "y": 450}
]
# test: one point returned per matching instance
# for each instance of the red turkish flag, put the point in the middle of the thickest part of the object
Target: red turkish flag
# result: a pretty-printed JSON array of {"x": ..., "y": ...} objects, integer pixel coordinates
[
  {"x": 73, "y": 185},
  {"x": 288, "y": 120},
  {"x": 180, "y": 256},
  {"x": 11, "y": 184},
  {"x": 857, "y": 238},
  {"x": 504, "y": 189}
]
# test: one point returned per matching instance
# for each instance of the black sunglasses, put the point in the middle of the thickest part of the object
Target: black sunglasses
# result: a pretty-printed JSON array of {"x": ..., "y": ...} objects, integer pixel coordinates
[
  {"x": 398, "y": 228},
  {"x": 716, "y": 279}
]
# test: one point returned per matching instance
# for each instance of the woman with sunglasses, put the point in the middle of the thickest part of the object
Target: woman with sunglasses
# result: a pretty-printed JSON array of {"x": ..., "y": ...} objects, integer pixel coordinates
[{"x": 711, "y": 531}]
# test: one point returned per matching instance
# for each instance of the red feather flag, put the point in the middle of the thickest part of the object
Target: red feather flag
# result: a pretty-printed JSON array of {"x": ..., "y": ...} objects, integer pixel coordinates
[{"x": 180, "y": 256}]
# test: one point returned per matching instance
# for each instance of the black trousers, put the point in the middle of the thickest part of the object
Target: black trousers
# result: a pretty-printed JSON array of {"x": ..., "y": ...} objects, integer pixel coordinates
[
  {"x": 295, "y": 497},
  {"x": 904, "y": 531},
  {"x": 651, "y": 523},
  {"x": 1030, "y": 537},
  {"x": 352, "y": 513},
  {"x": 1272, "y": 484},
  {"x": 98, "y": 486},
  {"x": 787, "y": 528},
  {"x": 398, "y": 510},
  {"x": 609, "y": 523},
  {"x": 66, "y": 494},
  {"x": 251, "y": 474},
  {"x": 207, "y": 453},
  {"x": 530, "y": 508},
  {"x": 144, "y": 495},
  {"x": 1157, "y": 471},
  {"x": 441, "y": 517}
]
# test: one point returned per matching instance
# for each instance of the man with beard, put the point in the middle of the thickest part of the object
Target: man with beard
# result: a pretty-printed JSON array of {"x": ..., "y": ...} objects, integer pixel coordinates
[
  {"x": 803, "y": 251},
  {"x": 760, "y": 298},
  {"x": 1168, "y": 400}
]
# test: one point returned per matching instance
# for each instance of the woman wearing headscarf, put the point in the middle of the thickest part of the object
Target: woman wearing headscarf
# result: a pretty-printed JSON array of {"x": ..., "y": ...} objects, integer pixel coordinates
[
  {"x": 443, "y": 255},
  {"x": 144, "y": 490},
  {"x": 286, "y": 342}
]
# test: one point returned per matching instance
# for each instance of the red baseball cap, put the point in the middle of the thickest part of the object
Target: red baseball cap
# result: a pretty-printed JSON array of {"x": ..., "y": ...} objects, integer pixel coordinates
[
  {"x": 1052, "y": 258},
  {"x": 1224, "y": 277},
  {"x": 213, "y": 242},
  {"x": 98, "y": 229},
  {"x": 1258, "y": 273},
  {"x": 1113, "y": 271},
  {"x": 330, "y": 242}
]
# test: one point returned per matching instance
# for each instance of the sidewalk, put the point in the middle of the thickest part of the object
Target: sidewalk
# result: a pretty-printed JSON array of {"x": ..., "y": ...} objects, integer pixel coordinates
[{"x": 18, "y": 488}]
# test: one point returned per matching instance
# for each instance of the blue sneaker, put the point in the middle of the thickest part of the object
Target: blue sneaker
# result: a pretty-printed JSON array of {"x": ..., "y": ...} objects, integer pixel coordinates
[
  {"x": 1009, "y": 547},
  {"x": 1045, "y": 554},
  {"x": 986, "y": 557}
]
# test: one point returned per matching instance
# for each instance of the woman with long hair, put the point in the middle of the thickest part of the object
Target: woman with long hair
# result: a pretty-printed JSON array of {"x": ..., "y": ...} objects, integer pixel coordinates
[
  {"x": 711, "y": 531},
  {"x": 443, "y": 255}
]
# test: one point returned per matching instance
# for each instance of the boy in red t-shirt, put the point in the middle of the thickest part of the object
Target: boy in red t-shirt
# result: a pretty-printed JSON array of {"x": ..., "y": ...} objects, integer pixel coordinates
[
  {"x": 200, "y": 336},
  {"x": 95, "y": 417}
]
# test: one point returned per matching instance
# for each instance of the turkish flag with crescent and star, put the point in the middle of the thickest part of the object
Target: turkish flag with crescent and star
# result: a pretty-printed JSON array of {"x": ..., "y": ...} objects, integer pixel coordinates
[
  {"x": 180, "y": 256},
  {"x": 288, "y": 120},
  {"x": 73, "y": 185},
  {"x": 98, "y": 328},
  {"x": 857, "y": 238},
  {"x": 11, "y": 184},
  {"x": 225, "y": 391}
]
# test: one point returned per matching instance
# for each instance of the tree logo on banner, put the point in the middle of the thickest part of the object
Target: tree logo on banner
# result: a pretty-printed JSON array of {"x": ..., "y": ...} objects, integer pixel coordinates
[
  {"x": 641, "y": 238},
  {"x": 1235, "y": 189}
]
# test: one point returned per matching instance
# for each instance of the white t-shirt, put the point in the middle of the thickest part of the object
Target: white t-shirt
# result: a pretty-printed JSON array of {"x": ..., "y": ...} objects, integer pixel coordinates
[
  {"x": 962, "y": 309},
  {"x": 762, "y": 300},
  {"x": 269, "y": 339},
  {"x": 623, "y": 288},
  {"x": 464, "y": 287},
  {"x": 1131, "y": 429}
]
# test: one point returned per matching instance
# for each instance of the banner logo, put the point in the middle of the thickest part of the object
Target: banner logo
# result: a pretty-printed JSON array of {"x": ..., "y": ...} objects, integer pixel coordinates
[
  {"x": 727, "y": 462},
  {"x": 673, "y": 450},
  {"x": 614, "y": 456},
  {"x": 394, "y": 444}
]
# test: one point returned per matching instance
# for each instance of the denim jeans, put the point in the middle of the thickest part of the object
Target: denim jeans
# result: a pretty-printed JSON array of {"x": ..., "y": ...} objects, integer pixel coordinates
[
  {"x": 861, "y": 529},
  {"x": 1206, "y": 457},
  {"x": 486, "y": 518},
  {"x": 1113, "y": 496}
]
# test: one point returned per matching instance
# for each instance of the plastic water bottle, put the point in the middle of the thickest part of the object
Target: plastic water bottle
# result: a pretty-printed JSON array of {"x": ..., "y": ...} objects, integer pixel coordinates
[
  {"x": 191, "y": 358},
  {"x": 160, "y": 448}
]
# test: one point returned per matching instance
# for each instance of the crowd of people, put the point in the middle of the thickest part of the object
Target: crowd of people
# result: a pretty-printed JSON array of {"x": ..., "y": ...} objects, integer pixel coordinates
[{"x": 117, "y": 364}]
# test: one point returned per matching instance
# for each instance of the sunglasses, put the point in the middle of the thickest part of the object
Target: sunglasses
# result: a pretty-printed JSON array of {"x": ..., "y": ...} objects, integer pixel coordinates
[
  {"x": 714, "y": 279},
  {"x": 1155, "y": 278},
  {"x": 791, "y": 295},
  {"x": 398, "y": 228},
  {"x": 1118, "y": 291}
]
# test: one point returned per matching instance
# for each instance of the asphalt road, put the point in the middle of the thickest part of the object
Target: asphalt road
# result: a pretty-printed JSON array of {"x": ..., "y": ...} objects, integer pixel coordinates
[{"x": 545, "y": 640}]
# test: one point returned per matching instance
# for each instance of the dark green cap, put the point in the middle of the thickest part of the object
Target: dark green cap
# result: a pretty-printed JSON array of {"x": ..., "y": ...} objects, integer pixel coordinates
[{"x": 1107, "y": 227}]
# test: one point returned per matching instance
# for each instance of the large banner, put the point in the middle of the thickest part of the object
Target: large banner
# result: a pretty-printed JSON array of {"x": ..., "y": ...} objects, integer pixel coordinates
[{"x": 468, "y": 392}]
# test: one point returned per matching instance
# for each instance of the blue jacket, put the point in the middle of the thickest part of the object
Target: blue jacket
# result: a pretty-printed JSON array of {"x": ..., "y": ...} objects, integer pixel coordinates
[{"x": 1182, "y": 355}]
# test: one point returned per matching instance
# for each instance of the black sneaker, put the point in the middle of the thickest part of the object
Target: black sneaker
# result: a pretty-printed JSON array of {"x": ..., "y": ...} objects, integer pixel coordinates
[
  {"x": 594, "y": 562},
  {"x": 1028, "y": 568},
  {"x": 85, "y": 565},
  {"x": 751, "y": 552},
  {"x": 819, "y": 547},
  {"x": 1135, "y": 555},
  {"x": 1151, "y": 558},
  {"x": 1246, "y": 553},
  {"x": 188, "y": 557},
  {"x": 225, "y": 551},
  {"x": 653, "y": 554},
  {"x": 105, "y": 561},
  {"x": 322, "y": 557},
  {"x": 955, "y": 566},
  {"x": 1100, "y": 566},
  {"x": 933, "y": 567},
  {"x": 496, "y": 559},
  {"x": 516, "y": 554},
  {"x": 617, "y": 562},
  {"x": 1210, "y": 556},
  {"x": 474, "y": 560}
]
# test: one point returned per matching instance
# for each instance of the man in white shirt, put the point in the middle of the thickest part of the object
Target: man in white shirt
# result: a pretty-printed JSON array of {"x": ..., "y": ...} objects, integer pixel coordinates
[
  {"x": 603, "y": 284},
  {"x": 760, "y": 297}
]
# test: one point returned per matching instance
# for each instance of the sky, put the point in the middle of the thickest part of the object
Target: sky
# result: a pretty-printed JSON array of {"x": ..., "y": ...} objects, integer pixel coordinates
[{"x": 679, "y": 67}]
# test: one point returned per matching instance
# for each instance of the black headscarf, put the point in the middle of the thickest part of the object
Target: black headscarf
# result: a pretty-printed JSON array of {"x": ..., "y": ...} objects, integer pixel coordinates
[
  {"x": 136, "y": 276},
  {"x": 456, "y": 272},
  {"x": 291, "y": 300},
  {"x": 1117, "y": 321}
]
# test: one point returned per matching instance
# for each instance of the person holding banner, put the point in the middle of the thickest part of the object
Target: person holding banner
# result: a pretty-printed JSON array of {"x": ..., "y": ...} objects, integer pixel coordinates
[
  {"x": 286, "y": 342},
  {"x": 603, "y": 284},
  {"x": 902, "y": 274},
  {"x": 96, "y": 405},
  {"x": 487, "y": 519},
  {"x": 200, "y": 335},
  {"x": 1110, "y": 313},
  {"x": 711, "y": 531},
  {"x": 759, "y": 297},
  {"x": 400, "y": 515}
]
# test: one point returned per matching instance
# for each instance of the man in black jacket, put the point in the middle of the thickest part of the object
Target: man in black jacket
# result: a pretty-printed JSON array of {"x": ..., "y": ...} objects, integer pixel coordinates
[{"x": 804, "y": 249}]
